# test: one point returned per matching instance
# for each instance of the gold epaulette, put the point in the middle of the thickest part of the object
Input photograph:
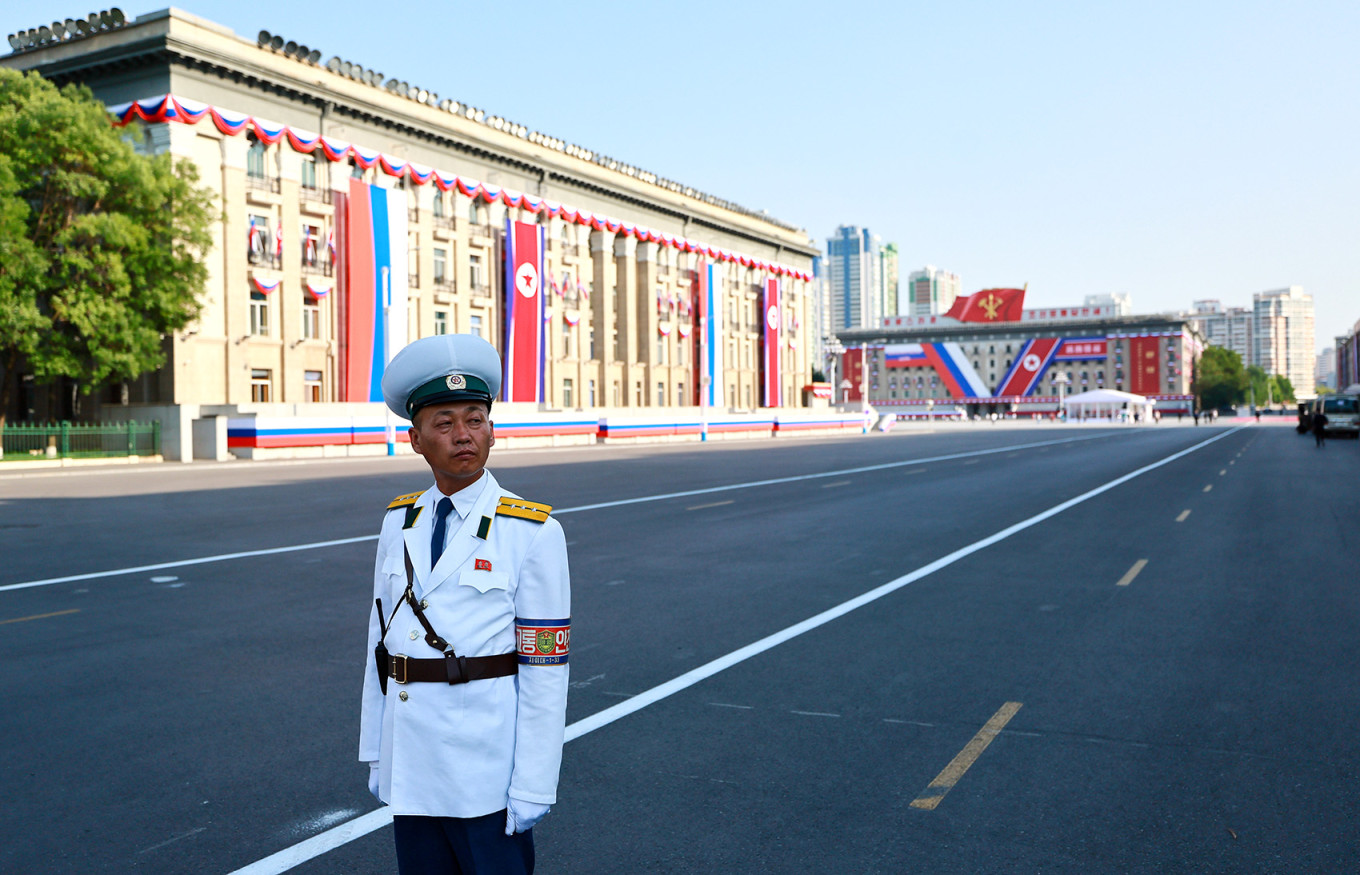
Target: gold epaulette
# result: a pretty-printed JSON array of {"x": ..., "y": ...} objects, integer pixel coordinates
[
  {"x": 405, "y": 500},
  {"x": 525, "y": 510}
]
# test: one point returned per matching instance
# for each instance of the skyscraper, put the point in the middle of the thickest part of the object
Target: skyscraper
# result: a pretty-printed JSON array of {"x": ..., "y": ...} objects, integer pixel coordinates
[
  {"x": 1227, "y": 327},
  {"x": 1283, "y": 336},
  {"x": 853, "y": 278},
  {"x": 932, "y": 291},
  {"x": 891, "y": 293}
]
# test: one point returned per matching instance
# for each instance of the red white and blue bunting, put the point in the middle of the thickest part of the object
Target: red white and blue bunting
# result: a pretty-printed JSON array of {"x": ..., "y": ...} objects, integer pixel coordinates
[
  {"x": 264, "y": 286},
  {"x": 317, "y": 291},
  {"x": 169, "y": 108}
]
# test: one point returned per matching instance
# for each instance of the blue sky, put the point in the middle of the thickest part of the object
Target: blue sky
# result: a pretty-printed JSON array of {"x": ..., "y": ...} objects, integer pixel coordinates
[{"x": 1173, "y": 151}]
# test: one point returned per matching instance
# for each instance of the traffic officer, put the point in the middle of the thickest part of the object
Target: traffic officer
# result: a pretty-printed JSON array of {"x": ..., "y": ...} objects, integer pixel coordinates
[{"x": 465, "y": 693}]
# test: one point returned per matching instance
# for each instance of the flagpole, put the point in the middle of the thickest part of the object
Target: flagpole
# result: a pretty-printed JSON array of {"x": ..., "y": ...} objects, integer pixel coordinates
[
  {"x": 704, "y": 379},
  {"x": 391, "y": 428}
]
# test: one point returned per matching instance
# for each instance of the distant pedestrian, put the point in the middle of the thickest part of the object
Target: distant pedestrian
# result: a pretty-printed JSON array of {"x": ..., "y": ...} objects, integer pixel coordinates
[
  {"x": 1196, "y": 417},
  {"x": 1320, "y": 428}
]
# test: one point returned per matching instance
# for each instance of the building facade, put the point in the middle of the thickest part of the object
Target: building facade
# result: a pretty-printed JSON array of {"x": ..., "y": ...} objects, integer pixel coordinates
[
  {"x": 1325, "y": 369},
  {"x": 1231, "y": 328},
  {"x": 1283, "y": 336},
  {"x": 1348, "y": 359},
  {"x": 853, "y": 278},
  {"x": 1011, "y": 367},
  {"x": 889, "y": 280},
  {"x": 932, "y": 291},
  {"x": 281, "y": 141}
]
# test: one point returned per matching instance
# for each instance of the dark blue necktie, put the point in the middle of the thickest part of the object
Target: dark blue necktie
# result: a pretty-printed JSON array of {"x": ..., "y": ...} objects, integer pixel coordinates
[{"x": 442, "y": 511}]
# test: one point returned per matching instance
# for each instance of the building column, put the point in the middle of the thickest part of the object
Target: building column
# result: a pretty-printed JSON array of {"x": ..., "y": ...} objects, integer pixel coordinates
[{"x": 602, "y": 316}]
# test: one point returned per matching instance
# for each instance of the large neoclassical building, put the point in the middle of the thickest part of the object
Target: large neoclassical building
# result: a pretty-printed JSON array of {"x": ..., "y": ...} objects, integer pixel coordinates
[{"x": 323, "y": 170}]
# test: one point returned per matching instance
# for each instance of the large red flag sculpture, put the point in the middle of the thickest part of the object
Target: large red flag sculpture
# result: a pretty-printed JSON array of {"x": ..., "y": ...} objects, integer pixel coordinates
[{"x": 989, "y": 305}]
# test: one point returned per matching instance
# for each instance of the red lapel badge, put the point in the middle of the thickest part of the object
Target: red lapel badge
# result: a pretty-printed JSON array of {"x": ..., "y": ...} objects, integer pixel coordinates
[{"x": 482, "y": 565}]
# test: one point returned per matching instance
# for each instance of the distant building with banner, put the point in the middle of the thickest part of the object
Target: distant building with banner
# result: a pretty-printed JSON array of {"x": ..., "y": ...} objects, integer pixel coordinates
[
  {"x": 360, "y": 212},
  {"x": 995, "y": 356}
]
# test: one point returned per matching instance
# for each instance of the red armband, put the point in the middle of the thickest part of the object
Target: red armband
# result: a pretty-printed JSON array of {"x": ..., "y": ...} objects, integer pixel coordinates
[{"x": 542, "y": 642}]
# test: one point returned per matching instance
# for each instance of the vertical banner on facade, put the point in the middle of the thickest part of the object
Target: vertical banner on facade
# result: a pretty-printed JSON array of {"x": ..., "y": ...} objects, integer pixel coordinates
[
  {"x": 773, "y": 390},
  {"x": 523, "y": 312},
  {"x": 852, "y": 369},
  {"x": 372, "y": 257},
  {"x": 1145, "y": 376},
  {"x": 710, "y": 309}
]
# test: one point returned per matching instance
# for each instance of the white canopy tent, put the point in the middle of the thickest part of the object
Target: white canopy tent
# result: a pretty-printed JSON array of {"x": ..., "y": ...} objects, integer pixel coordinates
[{"x": 1108, "y": 404}]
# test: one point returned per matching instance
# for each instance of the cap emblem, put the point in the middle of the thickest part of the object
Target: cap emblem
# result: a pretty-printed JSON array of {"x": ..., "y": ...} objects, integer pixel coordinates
[{"x": 455, "y": 382}]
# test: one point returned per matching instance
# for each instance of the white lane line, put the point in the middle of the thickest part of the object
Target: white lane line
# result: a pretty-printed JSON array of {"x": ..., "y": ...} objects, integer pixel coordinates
[
  {"x": 202, "y": 560},
  {"x": 333, "y": 838},
  {"x": 223, "y": 557},
  {"x": 814, "y": 713},
  {"x": 712, "y": 504}
]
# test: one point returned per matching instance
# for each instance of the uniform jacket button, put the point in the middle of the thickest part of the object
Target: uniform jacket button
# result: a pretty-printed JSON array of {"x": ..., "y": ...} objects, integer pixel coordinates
[
  {"x": 402, "y": 695},
  {"x": 424, "y": 604},
  {"x": 414, "y": 634}
]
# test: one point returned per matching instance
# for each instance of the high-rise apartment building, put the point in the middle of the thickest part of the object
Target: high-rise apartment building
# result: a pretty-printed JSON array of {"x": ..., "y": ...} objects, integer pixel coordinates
[
  {"x": 1326, "y": 368},
  {"x": 1227, "y": 327},
  {"x": 889, "y": 285},
  {"x": 1119, "y": 303},
  {"x": 932, "y": 291},
  {"x": 1283, "y": 336},
  {"x": 853, "y": 278}
]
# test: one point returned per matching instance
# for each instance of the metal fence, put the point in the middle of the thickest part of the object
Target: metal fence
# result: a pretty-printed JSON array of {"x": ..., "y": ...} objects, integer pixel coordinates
[{"x": 79, "y": 440}]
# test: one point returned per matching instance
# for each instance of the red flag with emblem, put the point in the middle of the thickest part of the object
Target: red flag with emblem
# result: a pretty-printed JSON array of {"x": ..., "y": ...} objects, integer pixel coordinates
[{"x": 989, "y": 305}]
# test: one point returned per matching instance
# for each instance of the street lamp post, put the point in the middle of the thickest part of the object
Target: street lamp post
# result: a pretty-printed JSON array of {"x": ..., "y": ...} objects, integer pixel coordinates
[{"x": 1062, "y": 381}]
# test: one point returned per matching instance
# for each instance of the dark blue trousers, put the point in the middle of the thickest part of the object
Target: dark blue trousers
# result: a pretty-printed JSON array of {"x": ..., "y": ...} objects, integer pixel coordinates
[{"x": 461, "y": 846}]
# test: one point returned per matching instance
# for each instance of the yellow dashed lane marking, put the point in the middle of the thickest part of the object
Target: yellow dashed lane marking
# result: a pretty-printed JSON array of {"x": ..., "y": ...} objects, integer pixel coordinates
[
  {"x": 1131, "y": 573},
  {"x": 41, "y": 616},
  {"x": 945, "y": 780},
  {"x": 1208, "y": 487},
  {"x": 1224, "y": 471},
  {"x": 1184, "y": 514}
]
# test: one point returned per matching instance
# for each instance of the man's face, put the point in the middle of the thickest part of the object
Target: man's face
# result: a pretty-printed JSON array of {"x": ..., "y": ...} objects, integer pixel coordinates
[{"x": 455, "y": 438}]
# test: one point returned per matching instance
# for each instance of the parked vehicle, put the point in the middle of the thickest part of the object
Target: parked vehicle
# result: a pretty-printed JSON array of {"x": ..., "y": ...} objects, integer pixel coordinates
[{"x": 1342, "y": 412}]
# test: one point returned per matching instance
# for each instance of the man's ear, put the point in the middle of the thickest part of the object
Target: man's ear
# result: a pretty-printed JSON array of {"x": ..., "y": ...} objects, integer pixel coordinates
[
  {"x": 415, "y": 440},
  {"x": 492, "y": 426}
]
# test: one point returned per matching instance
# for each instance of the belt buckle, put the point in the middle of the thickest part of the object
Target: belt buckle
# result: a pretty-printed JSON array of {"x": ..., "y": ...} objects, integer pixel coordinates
[{"x": 398, "y": 660}]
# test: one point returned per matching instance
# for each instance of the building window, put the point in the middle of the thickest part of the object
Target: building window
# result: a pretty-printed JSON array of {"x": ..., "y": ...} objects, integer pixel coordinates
[
  {"x": 661, "y": 350},
  {"x": 566, "y": 339},
  {"x": 680, "y": 399},
  {"x": 441, "y": 266},
  {"x": 476, "y": 327},
  {"x": 660, "y": 394},
  {"x": 592, "y": 344},
  {"x": 591, "y": 396},
  {"x": 311, "y": 386},
  {"x": 311, "y": 317},
  {"x": 260, "y": 241},
  {"x": 311, "y": 245},
  {"x": 308, "y": 172},
  {"x": 618, "y": 394},
  {"x": 437, "y": 206},
  {"x": 475, "y": 271},
  {"x": 566, "y": 392},
  {"x": 259, "y": 314},
  {"x": 441, "y": 321},
  {"x": 255, "y": 158},
  {"x": 261, "y": 386}
]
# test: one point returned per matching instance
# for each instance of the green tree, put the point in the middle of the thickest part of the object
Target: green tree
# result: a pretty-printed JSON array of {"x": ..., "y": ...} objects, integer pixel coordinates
[
  {"x": 1220, "y": 380},
  {"x": 1284, "y": 389},
  {"x": 100, "y": 247}
]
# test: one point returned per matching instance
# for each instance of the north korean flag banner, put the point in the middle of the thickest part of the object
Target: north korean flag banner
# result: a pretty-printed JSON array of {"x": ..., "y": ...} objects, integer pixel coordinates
[
  {"x": 711, "y": 345},
  {"x": 523, "y": 312},
  {"x": 989, "y": 305},
  {"x": 373, "y": 285},
  {"x": 771, "y": 358}
]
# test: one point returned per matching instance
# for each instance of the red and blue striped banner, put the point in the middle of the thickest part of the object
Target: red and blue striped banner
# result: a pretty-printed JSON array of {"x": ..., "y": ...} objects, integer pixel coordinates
[
  {"x": 373, "y": 256},
  {"x": 523, "y": 312},
  {"x": 711, "y": 365},
  {"x": 773, "y": 390}
]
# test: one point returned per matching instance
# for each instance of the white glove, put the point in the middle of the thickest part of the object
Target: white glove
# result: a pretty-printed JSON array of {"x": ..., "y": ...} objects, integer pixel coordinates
[
  {"x": 373, "y": 780},
  {"x": 520, "y": 816}
]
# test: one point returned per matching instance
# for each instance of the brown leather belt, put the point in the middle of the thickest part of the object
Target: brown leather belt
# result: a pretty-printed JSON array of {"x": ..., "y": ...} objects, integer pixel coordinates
[{"x": 451, "y": 669}]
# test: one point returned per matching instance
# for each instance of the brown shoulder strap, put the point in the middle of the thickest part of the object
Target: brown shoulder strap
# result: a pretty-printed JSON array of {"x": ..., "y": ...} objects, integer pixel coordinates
[{"x": 431, "y": 637}]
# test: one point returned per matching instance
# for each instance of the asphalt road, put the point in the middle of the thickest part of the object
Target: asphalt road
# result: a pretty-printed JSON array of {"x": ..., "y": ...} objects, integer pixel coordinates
[{"x": 1016, "y": 709}]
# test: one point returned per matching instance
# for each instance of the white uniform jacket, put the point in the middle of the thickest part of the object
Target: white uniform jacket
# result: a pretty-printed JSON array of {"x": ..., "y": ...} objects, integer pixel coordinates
[{"x": 461, "y": 750}]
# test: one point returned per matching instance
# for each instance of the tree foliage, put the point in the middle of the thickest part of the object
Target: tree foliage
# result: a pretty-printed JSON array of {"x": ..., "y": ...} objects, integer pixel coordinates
[
  {"x": 1220, "y": 380},
  {"x": 100, "y": 246}
]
